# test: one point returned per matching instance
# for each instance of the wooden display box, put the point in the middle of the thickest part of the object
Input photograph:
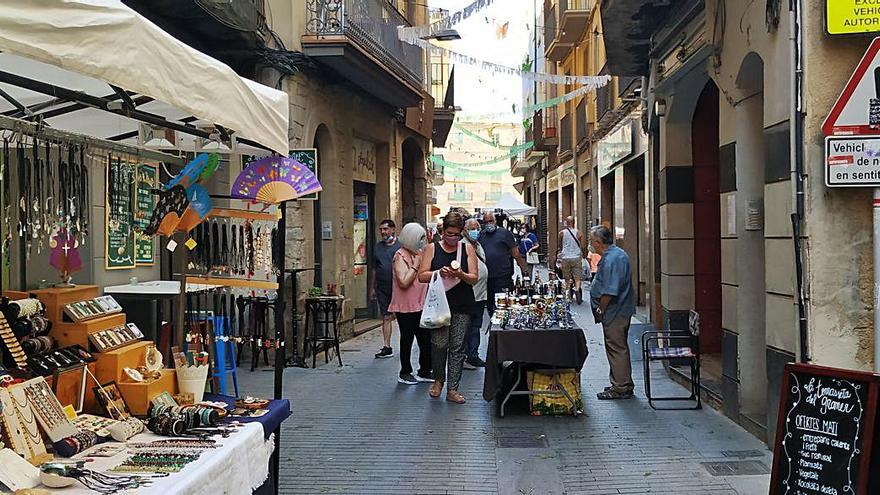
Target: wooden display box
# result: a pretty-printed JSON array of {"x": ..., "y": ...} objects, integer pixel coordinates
[
  {"x": 139, "y": 395},
  {"x": 110, "y": 364},
  {"x": 67, "y": 389},
  {"x": 67, "y": 334},
  {"x": 56, "y": 298}
]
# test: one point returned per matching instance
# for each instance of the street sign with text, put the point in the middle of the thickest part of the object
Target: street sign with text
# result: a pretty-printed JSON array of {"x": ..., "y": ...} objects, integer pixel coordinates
[
  {"x": 852, "y": 161},
  {"x": 852, "y": 16}
]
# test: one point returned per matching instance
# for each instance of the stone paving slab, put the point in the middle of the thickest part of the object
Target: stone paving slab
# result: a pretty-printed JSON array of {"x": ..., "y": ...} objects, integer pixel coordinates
[{"x": 355, "y": 430}]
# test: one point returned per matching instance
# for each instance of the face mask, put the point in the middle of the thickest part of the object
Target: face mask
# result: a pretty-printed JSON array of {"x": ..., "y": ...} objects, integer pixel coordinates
[
  {"x": 474, "y": 234},
  {"x": 490, "y": 227},
  {"x": 451, "y": 240},
  {"x": 389, "y": 238}
]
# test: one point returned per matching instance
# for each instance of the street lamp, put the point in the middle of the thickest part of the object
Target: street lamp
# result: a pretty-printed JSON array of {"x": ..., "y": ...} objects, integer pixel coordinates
[{"x": 444, "y": 35}]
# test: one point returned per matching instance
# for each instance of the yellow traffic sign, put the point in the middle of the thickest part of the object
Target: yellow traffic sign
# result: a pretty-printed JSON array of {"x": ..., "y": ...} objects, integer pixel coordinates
[{"x": 852, "y": 16}]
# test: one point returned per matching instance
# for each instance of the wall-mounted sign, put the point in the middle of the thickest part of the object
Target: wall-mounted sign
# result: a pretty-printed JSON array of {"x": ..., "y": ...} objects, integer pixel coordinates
[
  {"x": 364, "y": 156},
  {"x": 852, "y": 16},
  {"x": 614, "y": 147},
  {"x": 327, "y": 230},
  {"x": 119, "y": 241},
  {"x": 145, "y": 202},
  {"x": 852, "y": 161},
  {"x": 859, "y": 102},
  {"x": 309, "y": 158},
  {"x": 567, "y": 177}
]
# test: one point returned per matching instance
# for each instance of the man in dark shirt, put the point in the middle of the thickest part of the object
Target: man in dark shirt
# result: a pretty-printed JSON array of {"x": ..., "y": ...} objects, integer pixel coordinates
[
  {"x": 501, "y": 250},
  {"x": 380, "y": 286}
]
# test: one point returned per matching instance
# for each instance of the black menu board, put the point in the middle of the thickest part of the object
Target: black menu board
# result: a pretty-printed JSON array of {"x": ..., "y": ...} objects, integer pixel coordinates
[
  {"x": 825, "y": 431},
  {"x": 119, "y": 241},
  {"x": 145, "y": 202}
]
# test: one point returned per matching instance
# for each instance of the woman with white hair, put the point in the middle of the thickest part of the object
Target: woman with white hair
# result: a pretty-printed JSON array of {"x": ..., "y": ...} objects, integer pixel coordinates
[{"x": 407, "y": 300}]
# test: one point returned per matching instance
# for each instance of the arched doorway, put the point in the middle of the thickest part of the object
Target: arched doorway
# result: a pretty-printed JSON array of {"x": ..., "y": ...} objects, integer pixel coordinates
[
  {"x": 707, "y": 218},
  {"x": 412, "y": 198},
  {"x": 323, "y": 247}
]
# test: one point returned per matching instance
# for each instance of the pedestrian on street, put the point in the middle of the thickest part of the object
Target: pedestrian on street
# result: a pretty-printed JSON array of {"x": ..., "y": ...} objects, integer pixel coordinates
[
  {"x": 501, "y": 251},
  {"x": 572, "y": 249},
  {"x": 528, "y": 247},
  {"x": 613, "y": 303},
  {"x": 407, "y": 301},
  {"x": 456, "y": 262},
  {"x": 381, "y": 283},
  {"x": 594, "y": 258},
  {"x": 472, "y": 338}
]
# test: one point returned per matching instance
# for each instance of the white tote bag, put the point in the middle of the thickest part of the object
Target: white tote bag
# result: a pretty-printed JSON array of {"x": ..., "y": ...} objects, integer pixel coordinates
[{"x": 436, "y": 313}]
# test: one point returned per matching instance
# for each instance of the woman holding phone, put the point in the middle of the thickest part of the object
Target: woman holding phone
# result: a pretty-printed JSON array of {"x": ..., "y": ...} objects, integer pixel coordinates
[{"x": 456, "y": 263}]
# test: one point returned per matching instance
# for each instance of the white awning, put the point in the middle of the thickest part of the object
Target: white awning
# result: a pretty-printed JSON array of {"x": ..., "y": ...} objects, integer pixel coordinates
[
  {"x": 107, "y": 41},
  {"x": 514, "y": 207}
]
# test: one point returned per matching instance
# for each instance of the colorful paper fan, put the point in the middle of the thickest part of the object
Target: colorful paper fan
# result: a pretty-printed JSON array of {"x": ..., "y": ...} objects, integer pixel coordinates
[
  {"x": 275, "y": 179},
  {"x": 199, "y": 207},
  {"x": 199, "y": 168}
]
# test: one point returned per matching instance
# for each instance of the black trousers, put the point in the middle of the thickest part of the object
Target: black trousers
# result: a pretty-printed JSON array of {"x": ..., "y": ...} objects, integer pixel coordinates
[
  {"x": 495, "y": 286},
  {"x": 410, "y": 330}
]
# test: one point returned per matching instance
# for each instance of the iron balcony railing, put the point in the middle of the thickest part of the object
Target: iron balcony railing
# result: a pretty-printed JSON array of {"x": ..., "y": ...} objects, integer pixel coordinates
[
  {"x": 372, "y": 24},
  {"x": 581, "y": 120},
  {"x": 604, "y": 97},
  {"x": 461, "y": 196},
  {"x": 565, "y": 5}
]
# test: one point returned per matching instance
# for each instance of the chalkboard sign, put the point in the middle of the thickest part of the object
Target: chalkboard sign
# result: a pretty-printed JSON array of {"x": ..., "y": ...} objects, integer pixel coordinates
[
  {"x": 119, "y": 205},
  {"x": 309, "y": 158},
  {"x": 145, "y": 201},
  {"x": 825, "y": 431}
]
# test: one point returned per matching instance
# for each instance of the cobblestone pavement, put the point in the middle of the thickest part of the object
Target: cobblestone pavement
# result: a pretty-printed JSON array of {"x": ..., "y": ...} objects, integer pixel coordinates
[{"x": 355, "y": 430}]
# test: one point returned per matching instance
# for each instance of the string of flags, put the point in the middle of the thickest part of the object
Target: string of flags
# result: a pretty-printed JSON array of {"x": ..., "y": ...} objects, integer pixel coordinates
[
  {"x": 473, "y": 135},
  {"x": 590, "y": 82},
  {"x": 530, "y": 109},
  {"x": 514, "y": 151},
  {"x": 418, "y": 32}
]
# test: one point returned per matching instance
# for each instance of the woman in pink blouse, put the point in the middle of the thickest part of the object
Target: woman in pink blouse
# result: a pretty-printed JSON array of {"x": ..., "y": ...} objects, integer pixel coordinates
[{"x": 407, "y": 300}]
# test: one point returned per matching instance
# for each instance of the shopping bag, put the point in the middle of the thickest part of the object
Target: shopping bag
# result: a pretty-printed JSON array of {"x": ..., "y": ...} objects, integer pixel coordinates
[
  {"x": 436, "y": 313},
  {"x": 554, "y": 403}
]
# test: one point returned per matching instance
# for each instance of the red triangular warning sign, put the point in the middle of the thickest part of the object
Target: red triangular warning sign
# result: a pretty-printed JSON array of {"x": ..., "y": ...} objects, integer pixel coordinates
[{"x": 857, "y": 109}]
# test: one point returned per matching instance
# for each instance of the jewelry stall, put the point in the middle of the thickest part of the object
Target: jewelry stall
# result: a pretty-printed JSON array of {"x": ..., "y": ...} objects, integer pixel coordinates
[{"x": 89, "y": 400}]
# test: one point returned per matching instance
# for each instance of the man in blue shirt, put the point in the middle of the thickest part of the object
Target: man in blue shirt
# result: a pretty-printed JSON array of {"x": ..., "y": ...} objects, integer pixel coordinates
[
  {"x": 613, "y": 301},
  {"x": 501, "y": 250}
]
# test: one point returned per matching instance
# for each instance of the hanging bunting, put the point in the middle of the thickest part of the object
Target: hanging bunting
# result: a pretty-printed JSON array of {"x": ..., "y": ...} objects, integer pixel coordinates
[
  {"x": 530, "y": 109},
  {"x": 473, "y": 135},
  {"x": 417, "y": 32},
  {"x": 514, "y": 151},
  {"x": 592, "y": 82}
]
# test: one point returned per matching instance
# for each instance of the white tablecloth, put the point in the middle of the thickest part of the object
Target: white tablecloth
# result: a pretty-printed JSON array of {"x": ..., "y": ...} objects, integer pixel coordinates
[{"x": 238, "y": 466}]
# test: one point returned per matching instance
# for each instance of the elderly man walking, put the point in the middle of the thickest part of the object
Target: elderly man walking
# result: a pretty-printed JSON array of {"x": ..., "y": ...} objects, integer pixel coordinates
[{"x": 613, "y": 302}]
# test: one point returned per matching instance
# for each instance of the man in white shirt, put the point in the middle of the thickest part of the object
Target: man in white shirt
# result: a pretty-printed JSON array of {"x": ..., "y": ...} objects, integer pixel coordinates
[{"x": 572, "y": 249}]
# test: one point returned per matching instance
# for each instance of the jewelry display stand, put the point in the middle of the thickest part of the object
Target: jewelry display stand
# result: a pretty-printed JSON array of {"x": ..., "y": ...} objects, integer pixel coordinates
[{"x": 68, "y": 333}]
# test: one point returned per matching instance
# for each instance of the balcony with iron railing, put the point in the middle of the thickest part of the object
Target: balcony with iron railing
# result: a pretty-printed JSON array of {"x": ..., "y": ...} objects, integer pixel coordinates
[
  {"x": 460, "y": 196},
  {"x": 574, "y": 15},
  {"x": 555, "y": 49},
  {"x": 359, "y": 40},
  {"x": 544, "y": 129}
]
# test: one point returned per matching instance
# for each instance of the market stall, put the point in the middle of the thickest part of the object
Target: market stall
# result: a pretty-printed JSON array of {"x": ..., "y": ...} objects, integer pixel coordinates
[
  {"x": 94, "y": 397},
  {"x": 535, "y": 350}
]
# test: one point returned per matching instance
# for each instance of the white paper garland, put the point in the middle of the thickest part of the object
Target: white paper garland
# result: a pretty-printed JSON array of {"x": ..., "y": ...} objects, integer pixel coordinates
[{"x": 418, "y": 32}]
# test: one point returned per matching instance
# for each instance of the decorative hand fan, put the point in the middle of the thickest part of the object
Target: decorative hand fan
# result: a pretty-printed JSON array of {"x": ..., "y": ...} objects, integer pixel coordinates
[
  {"x": 275, "y": 179},
  {"x": 200, "y": 168},
  {"x": 64, "y": 256},
  {"x": 168, "y": 212},
  {"x": 199, "y": 207}
]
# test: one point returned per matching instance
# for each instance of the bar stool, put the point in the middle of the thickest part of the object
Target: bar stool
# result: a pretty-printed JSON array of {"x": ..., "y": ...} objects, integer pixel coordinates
[{"x": 323, "y": 313}]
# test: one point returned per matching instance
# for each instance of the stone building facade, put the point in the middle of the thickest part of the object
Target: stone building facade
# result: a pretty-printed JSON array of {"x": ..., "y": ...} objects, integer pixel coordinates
[
  {"x": 362, "y": 103},
  {"x": 747, "y": 234}
]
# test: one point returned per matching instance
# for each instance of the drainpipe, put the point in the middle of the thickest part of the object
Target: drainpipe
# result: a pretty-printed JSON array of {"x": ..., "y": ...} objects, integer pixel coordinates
[{"x": 796, "y": 136}]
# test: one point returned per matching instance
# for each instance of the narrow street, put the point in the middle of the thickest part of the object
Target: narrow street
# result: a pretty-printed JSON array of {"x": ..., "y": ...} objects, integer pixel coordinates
[{"x": 356, "y": 430}]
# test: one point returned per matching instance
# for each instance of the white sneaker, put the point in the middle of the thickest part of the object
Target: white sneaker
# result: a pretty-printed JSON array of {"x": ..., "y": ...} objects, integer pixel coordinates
[{"x": 407, "y": 379}]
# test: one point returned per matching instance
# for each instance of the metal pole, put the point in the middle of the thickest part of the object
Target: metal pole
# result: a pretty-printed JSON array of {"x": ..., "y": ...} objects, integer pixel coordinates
[{"x": 876, "y": 279}]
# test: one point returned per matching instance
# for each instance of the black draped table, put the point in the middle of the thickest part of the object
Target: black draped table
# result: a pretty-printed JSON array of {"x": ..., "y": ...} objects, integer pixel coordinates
[{"x": 552, "y": 348}]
